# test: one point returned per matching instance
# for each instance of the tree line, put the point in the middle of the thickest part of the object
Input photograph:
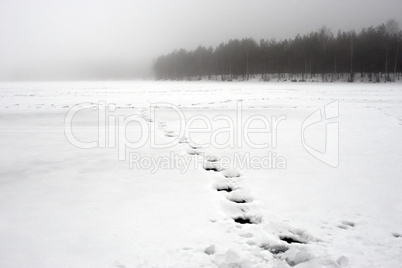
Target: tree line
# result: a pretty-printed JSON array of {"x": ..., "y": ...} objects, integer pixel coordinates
[{"x": 374, "y": 53}]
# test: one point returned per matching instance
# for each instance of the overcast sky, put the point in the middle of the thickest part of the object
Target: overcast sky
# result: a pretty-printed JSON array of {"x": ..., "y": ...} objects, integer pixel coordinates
[{"x": 118, "y": 39}]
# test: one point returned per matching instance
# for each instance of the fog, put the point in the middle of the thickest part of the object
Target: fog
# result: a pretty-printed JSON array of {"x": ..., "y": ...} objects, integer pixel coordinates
[{"x": 100, "y": 39}]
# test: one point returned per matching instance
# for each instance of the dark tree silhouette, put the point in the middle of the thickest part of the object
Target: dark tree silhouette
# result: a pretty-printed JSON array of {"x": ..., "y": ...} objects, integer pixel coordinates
[{"x": 374, "y": 53}]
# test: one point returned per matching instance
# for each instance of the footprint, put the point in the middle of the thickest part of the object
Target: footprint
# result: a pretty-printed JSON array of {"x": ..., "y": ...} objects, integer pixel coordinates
[
  {"x": 397, "y": 235},
  {"x": 349, "y": 223},
  {"x": 169, "y": 133},
  {"x": 161, "y": 125},
  {"x": 210, "y": 250},
  {"x": 192, "y": 151},
  {"x": 238, "y": 201},
  {"x": 216, "y": 169},
  {"x": 238, "y": 198},
  {"x": 211, "y": 158},
  {"x": 225, "y": 188},
  {"x": 212, "y": 166},
  {"x": 247, "y": 220},
  {"x": 243, "y": 220},
  {"x": 226, "y": 185},
  {"x": 229, "y": 173},
  {"x": 346, "y": 225},
  {"x": 296, "y": 236},
  {"x": 290, "y": 239},
  {"x": 275, "y": 249},
  {"x": 194, "y": 146}
]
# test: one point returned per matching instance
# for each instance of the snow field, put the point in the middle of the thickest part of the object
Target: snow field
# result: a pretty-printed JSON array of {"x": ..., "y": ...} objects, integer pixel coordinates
[{"x": 63, "y": 206}]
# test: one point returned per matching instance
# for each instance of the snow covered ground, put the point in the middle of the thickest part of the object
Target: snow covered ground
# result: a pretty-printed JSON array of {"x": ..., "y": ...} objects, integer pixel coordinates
[{"x": 134, "y": 201}]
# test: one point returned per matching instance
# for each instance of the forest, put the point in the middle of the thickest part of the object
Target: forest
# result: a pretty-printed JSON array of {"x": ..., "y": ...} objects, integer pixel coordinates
[{"x": 373, "y": 53}]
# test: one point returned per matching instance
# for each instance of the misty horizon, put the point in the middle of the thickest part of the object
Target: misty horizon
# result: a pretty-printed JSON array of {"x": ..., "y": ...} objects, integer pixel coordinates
[{"x": 100, "y": 40}]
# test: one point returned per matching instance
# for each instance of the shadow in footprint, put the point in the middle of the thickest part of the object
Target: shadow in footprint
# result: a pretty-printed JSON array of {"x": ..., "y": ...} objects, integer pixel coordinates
[
  {"x": 169, "y": 133},
  {"x": 246, "y": 220},
  {"x": 238, "y": 200},
  {"x": 212, "y": 168},
  {"x": 242, "y": 220},
  {"x": 346, "y": 225},
  {"x": 349, "y": 223},
  {"x": 291, "y": 239},
  {"x": 224, "y": 188},
  {"x": 211, "y": 158},
  {"x": 192, "y": 152}
]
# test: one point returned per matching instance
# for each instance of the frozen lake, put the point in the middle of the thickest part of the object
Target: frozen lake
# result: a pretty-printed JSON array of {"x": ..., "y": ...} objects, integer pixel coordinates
[{"x": 200, "y": 174}]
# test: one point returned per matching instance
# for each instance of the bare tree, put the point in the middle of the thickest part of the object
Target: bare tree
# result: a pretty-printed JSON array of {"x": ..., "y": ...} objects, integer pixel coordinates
[
  {"x": 392, "y": 27},
  {"x": 325, "y": 35},
  {"x": 396, "y": 56},
  {"x": 352, "y": 34},
  {"x": 391, "y": 30}
]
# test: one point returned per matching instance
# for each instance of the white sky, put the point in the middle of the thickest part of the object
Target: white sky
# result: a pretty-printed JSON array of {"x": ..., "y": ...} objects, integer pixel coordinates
[{"x": 103, "y": 39}]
